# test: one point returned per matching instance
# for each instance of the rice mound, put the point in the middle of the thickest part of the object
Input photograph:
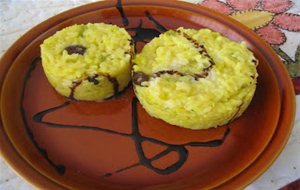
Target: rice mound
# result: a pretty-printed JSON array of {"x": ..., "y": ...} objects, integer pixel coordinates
[
  {"x": 195, "y": 79},
  {"x": 88, "y": 61}
]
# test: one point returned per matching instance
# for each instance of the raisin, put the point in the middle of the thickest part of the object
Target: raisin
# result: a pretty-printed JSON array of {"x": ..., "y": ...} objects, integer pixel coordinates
[
  {"x": 139, "y": 78},
  {"x": 75, "y": 49}
]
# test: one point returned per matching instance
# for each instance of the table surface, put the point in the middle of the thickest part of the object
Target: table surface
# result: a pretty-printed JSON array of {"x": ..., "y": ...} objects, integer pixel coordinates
[{"x": 17, "y": 17}]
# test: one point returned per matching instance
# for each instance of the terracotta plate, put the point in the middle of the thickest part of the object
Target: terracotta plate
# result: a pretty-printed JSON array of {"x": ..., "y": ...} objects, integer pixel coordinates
[{"x": 57, "y": 143}]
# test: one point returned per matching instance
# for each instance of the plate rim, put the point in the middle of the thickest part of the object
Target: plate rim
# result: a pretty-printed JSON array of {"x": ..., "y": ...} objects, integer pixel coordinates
[{"x": 107, "y": 4}]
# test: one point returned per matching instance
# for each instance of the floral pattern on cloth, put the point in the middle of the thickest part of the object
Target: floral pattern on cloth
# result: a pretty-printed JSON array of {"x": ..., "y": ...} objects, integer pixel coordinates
[{"x": 267, "y": 18}]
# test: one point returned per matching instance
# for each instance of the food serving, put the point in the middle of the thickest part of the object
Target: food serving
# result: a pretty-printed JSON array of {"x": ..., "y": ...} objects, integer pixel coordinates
[
  {"x": 88, "y": 61},
  {"x": 195, "y": 79}
]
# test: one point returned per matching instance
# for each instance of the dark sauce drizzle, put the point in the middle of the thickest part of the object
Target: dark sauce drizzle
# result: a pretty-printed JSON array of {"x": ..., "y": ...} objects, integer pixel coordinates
[
  {"x": 114, "y": 82},
  {"x": 93, "y": 80},
  {"x": 138, "y": 139},
  {"x": 157, "y": 24},
  {"x": 75, "y": 84},
  {"x": 236, "y": 113},
  {"x": 58, "y": 167},
  {"x": 169, "y": 72},
  {"x": 203, "y": 51},
  {"x": 119, "y": 6},
  {"x": 140, "y": 77},
  {"x": 141, "y": 35},
  {"x": 173, "y": 72}
]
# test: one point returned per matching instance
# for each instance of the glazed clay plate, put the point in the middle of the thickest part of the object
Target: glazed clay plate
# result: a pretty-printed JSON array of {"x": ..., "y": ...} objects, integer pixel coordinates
[{"x": 55, "y": 143}]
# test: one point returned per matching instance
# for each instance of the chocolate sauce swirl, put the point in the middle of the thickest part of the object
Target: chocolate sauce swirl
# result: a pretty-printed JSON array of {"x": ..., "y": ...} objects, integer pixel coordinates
[
  {"x": 114, "y": 82},
  {"x": 58, "y": 167},
  {"x": 138, "y": 139},
  {"x": 140, "y": 77},
  {"x": 93, "y": 80},
  {"x": 202, "y": 51},
  {"x": 75, "y": 84},
  {"x": 119, "y": 6}
]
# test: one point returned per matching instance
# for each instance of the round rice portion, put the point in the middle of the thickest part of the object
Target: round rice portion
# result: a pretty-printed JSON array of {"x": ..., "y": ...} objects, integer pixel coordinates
[
  {"x": 195, "y": 79},
  {"x": 88, "y": 61}
]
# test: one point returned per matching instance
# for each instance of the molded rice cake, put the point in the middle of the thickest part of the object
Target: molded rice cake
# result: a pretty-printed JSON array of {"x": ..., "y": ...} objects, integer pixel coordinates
[
  {"x": 195, "y": 79},
  {"x": 88, "y": 61}
]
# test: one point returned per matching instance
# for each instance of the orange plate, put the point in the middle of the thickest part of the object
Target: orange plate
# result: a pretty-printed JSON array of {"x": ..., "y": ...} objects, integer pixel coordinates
[{"x": 88, "y": 145}]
